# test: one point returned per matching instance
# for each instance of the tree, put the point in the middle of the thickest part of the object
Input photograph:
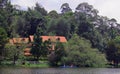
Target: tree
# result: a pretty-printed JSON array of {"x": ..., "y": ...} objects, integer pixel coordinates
[
  {"x": 19, "y": 25},
  {"x": 39, "y": 48},
  {"x": 14, "y": 52},
  {"x": 87, "y": 9},
  {"x": 53, "y": 14},
  {"x": 80, "y": 53},
  {"x": 88, "y": 30},
  {"x": 3, "y": 41},
  {"x": 51, "y": 26},
  {"x": 6, "y": 10},
  {"x": 55, "y": 58},
  {"x": 62, "y": 28},
  {"x": 113, "y": 51},
  {"x": 113, "y": 30},
  {"x": 35, "y": 19},
  {"x": 40, "y": 9},
  {"x": 65, "y": 8}
]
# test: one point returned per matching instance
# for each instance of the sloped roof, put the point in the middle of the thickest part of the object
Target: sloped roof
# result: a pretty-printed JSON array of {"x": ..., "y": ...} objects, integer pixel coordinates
[
  {"x": 11, "y": 41},
  {"x": 27, "y": 49},
  {"x": 19, "y": 40},
  {"x": 52, "y": 38},
  {"x": 27, "y": 54}
]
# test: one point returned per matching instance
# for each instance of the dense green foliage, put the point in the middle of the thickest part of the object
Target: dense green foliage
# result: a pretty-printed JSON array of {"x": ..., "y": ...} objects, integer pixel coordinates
[
  {"x": 3, "y": 41},
  {"x": 80, "y": 53},
  {"x": 14, "y": 52},
  {"x": 39, "y": 48},
  {"x": 113, "y": 51},
  {"x": 96, "y": 34},
  {"x": 55, "y": 58}
]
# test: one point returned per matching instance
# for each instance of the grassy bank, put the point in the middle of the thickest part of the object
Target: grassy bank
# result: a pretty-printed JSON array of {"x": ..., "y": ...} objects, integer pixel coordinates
[
  {"x": 42, "y": 65},
  {"x": 33, "y": 64},
  {"x": 7, "y": 64},
  {"x": 26, "y": 66}
]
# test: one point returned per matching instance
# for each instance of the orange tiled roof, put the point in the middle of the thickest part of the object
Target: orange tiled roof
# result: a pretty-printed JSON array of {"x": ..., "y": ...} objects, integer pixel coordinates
[
  {"x": 19, "y": 40},
  {"x": 27, "y": 49},
  {"x": 52, "y": 38},
  {"x": 31, "y": 38},
  {"x": 27, "y": 54},
  {"x": 11, "y": 41}
]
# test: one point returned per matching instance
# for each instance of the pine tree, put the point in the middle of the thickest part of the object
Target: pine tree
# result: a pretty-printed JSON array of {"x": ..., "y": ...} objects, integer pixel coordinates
[
  {"x": 39, "y": 48},
  {"x": 3, "y": 41}
]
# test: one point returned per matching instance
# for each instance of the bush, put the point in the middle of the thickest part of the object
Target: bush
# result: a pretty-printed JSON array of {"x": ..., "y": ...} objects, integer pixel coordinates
[{"x": 80, "y": 53}]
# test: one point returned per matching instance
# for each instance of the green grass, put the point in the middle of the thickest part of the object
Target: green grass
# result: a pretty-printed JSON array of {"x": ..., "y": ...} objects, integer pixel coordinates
[
  {"x": 42, "y": 65},
  {"x": 26, "y": 66}
]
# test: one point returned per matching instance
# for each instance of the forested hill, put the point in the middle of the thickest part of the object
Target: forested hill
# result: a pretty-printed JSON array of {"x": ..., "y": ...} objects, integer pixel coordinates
[{"x": 84, "y": 21}]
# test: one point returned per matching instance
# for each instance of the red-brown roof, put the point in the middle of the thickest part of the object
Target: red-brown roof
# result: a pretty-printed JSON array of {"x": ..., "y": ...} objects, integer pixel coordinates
[
  {"x": 44, "y": 38},
  {"x": 27, "y": 54},
  {"x": 11, "y": 41},
  {"x": 27, "y": 49},
  {"x": 19, "y": 40},
  {"x": 52, "y": 38}
]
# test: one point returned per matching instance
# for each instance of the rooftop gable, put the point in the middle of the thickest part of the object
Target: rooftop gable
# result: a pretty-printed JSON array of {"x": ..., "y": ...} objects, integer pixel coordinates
[
  {"x": 52, "y": 38},
  {"x": 19, "y": 40}
]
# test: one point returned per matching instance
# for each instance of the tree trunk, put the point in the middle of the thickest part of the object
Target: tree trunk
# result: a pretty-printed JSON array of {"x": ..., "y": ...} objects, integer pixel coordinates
[
  {"x": 0, "y": 59},
  {"x": 37, "y": 58},
  {"x": 116, "y": 64},
  {"x": 14, "y": 59}
]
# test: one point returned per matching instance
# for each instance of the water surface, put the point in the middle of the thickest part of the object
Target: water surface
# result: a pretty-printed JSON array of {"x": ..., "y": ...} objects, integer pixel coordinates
[{"x": 60, "y": 71}]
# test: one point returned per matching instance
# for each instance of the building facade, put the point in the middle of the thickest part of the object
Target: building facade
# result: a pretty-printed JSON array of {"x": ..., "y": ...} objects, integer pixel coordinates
[{"x": 28, "y": 42}]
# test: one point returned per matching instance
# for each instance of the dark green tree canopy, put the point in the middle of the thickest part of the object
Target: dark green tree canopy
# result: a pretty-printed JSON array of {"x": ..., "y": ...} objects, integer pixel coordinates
[
  {"x": 80, "y": 53},
  {"x": 3, "y": 37},
  {"x": 97, "y": 32},
  {"x": 3, "y": 41},
  {"x": 39, "y": 48},
  {"x": 53, "y": 14},
  {"x": 65, "y": 8},
  {"x": 40, "y": 9},
  {"x": 113, "y": 51}
]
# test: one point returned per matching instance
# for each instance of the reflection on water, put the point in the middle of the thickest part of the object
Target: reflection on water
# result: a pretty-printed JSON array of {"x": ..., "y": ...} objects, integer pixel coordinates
[{"x": 60, "y": 71}]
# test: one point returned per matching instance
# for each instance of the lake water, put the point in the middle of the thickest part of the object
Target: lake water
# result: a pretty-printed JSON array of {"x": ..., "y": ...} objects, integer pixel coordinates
[{"x": 60, "y": 71}]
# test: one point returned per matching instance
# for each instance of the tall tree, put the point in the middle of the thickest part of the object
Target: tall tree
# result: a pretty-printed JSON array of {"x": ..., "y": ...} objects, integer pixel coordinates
[
  {"x": 3, "y": 41},
  {"x": 34, "y": 19},
  {"x": 39, "y": 48},
  {"x": 53, "y": 14},
  {"x": 15, "y": 52},
  {"x": 6, "y": 10},
  {"x": 86, "y": 9},
  {"x": 55, "y": 58},
  {"x": 80, "y": 53},
  {"x": 40, "y": 9},
  {"x": 65, "y": 8},
  {"x": 62, "y": 28},
  {"x": 113, "y": 51}
]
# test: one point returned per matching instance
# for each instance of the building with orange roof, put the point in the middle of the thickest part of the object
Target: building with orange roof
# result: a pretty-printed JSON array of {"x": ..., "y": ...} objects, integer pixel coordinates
[
  {"x": 18, "y": 40},
  {"x": 52, "y": 38},
  {"x": 30, "y": 39}
]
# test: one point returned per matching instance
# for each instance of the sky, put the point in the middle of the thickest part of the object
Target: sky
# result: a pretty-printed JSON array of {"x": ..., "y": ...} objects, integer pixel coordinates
[{"x": 109, "y": 8}]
